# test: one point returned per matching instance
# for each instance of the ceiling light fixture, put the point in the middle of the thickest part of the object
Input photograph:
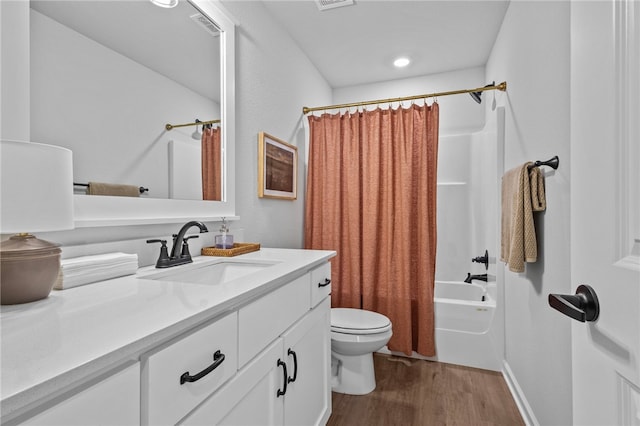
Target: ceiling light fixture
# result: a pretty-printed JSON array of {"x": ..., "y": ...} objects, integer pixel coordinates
[
  {"x": 401, "y": 62},
  {"x": 165, "y": 3}
]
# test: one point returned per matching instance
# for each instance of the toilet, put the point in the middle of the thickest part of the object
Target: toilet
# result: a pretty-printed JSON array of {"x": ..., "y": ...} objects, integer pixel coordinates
[{"x": 355, "y": 335}]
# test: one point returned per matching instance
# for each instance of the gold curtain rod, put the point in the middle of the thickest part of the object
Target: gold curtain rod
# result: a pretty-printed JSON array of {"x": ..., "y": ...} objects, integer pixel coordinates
[
  {"x": 195, "y": 123},
  {"x": 502, "y": 87}
]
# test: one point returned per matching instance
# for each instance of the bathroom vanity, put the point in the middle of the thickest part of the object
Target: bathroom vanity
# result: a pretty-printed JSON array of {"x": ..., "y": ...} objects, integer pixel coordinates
[{"x": 242, "y": 340}]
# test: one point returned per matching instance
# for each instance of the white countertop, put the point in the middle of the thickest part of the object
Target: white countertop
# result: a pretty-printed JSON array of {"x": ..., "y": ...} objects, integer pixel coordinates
[{"x": 53, "y": 344}]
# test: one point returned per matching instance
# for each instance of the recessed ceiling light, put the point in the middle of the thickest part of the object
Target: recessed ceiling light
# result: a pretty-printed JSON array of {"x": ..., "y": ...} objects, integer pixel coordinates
[
  {"x": 165, "y": 3},
  {"x": 401, "y": 62}
]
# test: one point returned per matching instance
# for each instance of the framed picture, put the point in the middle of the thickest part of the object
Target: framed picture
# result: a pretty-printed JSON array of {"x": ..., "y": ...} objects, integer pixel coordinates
[{"x": 277, "y": 168}]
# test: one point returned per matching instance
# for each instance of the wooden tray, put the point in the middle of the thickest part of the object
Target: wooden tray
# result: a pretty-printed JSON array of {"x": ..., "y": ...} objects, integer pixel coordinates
[{"x": 238, "y": 248}]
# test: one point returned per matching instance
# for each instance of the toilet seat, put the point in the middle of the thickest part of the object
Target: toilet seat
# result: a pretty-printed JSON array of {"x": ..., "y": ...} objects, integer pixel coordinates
[{"x": 358, "y": 321}]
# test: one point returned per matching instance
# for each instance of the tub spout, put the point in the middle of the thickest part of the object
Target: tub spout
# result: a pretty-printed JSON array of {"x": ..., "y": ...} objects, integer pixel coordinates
[{"x": 482, "y": 277}]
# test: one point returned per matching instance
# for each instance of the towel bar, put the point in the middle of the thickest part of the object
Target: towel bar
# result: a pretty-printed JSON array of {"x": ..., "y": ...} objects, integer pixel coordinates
[
  {"x": 553, "y": 163},
  {"x": 142, "y": 189}
]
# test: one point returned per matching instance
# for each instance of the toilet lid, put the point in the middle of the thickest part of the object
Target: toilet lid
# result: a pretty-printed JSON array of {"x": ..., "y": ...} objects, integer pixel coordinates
[{"x": 358, "y": 321}]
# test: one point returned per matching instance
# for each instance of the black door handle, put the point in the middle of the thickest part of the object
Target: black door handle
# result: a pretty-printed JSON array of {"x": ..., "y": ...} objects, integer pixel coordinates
[
  {"x": 583, "y": 306},
  {"x": 284, "y": 370},
  {"x": 295, "y": 366},
  {"x": 218, "y": 357}
]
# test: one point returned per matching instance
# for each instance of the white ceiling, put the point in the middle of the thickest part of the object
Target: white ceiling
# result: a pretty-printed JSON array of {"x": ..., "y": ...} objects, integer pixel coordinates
[
  {"x": 349, "y": 45},
  {"x": 357, "y": 44}
]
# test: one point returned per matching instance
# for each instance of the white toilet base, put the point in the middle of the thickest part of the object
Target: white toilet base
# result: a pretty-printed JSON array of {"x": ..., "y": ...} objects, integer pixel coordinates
[{"x": 353, "y": 375}]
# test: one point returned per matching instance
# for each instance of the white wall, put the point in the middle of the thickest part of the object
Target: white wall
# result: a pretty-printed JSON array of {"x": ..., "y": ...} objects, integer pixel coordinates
[
  {"x": 458, "y": 114},
  {"x": 532, "y": 54},
  {"x": 274, "y": 81},
  {"x": 14, "y": 83}
]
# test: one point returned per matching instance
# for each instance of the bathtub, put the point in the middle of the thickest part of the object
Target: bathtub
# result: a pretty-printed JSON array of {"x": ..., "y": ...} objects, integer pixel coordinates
[
  {"x": 464, "y": 315},
  {"x": 463, "y": 318},
  {"x": 463, "y": 307}
]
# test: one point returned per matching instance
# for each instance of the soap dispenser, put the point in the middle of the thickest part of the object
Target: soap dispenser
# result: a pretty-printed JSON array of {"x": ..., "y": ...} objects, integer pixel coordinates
[{"x": 224, "y": 240}]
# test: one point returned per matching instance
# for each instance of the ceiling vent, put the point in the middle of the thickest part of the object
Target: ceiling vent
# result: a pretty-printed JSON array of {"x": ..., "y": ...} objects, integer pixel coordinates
[
  {"x": 333, "y": 4},
  {"x": 205, "y": 23}
]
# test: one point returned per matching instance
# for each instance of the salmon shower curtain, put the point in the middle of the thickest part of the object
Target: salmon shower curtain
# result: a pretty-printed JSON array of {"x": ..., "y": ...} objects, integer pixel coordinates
[
  {"x": 371, "y": 196},
  {"x": 211, "y": 164}
]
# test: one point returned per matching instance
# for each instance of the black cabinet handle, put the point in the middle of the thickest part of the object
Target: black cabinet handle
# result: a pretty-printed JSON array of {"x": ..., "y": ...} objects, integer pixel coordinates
[
  {"x": 295, "y": 366},
  {"x": 583, "y": 306},
  {"x": 284, "y": 369},
  {"x": 218, "y": 357},
  {"x": 326, "y": 282}
]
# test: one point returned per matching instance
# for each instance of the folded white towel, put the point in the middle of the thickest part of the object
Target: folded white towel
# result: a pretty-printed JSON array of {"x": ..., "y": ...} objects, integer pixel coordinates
[{"x": 89, "y": 269}]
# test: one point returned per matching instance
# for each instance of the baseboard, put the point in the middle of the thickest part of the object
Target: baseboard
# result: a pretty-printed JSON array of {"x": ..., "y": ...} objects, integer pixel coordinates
[{"x": 518, "y": 396}]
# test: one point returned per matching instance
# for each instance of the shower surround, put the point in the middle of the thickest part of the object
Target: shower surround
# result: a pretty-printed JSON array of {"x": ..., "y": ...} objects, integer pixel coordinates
[{"x": 469, "y": 317}]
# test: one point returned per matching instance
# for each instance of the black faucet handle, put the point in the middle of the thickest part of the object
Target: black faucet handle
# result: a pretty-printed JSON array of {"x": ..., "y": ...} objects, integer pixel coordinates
[
  {"x": 184, "y": 253},
  {"x": 482, "y": 259},
  {"x": 163, "y": 259},
  {"x": 164, "y": 242}
]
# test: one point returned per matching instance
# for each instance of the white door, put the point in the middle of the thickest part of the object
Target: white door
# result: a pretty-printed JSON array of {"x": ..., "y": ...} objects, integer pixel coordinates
[
  {"x": 307, "y": 348},
  {"x": 605, "y": 210}
]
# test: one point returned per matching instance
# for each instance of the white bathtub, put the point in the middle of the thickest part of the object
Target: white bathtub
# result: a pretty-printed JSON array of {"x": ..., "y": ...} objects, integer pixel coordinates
[
  {"x": 463, "y": 307},
  {"x": 464, "y": 316},
  {"x": 463, "y": 319}
]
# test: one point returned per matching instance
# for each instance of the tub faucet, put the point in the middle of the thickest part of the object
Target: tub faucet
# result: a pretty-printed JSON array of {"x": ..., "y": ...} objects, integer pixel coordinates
[
  {"x": 470, "y": 278},
  {"x": 180, "y": 251}
]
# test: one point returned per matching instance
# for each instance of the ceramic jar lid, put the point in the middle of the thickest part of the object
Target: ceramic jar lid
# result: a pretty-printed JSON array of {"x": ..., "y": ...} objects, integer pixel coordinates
[{"x": 27, "y": 246}]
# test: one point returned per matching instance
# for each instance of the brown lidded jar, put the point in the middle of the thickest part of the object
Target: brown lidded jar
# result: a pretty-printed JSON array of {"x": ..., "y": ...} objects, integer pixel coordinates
[{"x": 29, "y": 269}]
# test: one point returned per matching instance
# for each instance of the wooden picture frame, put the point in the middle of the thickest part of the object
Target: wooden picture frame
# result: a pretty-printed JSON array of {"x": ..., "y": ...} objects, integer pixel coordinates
[{"x": 277, "y": 168}]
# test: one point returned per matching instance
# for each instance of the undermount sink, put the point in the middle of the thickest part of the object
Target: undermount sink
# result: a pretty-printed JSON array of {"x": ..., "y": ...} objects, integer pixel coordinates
[{"x": 210, "y": 273}]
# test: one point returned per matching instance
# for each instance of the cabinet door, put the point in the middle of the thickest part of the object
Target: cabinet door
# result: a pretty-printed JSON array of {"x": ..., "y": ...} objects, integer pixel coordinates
[
  {"x": 250, "y": 398},
  {"x": 262, "y": 321},
  {"x": 112, "y": 401},
  {"x": 307, "y": 348}
]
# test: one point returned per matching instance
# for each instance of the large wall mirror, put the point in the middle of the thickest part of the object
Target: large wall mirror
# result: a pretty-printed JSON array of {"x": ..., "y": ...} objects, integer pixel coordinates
[{"x": 106, "y": 79}]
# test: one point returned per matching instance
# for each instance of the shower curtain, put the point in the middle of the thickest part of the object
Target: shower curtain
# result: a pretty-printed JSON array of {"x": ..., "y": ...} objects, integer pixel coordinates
[
  {"x": 211, "y": 164},
  {"x": 371, "y": 196}
]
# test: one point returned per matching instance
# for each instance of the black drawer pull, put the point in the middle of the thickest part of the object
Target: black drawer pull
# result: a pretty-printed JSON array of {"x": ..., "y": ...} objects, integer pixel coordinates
[
  {"x": 218, "y": 357},
  {"x": 284, "y": 368},
  {"x": 295, "y": 366},
  {"x": 326, "y": 282}
]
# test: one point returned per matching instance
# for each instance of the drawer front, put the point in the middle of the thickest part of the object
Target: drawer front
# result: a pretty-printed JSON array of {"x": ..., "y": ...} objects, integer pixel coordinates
[
  {"x": 95, "y": 405},
  {"x": 263, "y": 320},
  {"x": 180, "y": 376},
  {"x": 249, "y": 398},
  {"x": 320, "y": 283}
]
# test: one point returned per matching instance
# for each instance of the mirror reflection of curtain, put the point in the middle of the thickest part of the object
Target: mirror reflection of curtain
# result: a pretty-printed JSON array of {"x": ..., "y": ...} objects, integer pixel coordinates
[
  {"x": 371, "y": 196},
  {"x": 211, "y": 165}
]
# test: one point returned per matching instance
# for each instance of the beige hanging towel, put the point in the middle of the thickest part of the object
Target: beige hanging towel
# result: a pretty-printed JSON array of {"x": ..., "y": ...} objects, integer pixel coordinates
[
  {"x": 522, "y": 194},
  {"x": 100, "y": 188}
]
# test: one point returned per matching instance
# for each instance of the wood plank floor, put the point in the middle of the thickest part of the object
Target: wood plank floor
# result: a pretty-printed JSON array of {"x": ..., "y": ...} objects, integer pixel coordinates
[{"x": 416, "y": 392}]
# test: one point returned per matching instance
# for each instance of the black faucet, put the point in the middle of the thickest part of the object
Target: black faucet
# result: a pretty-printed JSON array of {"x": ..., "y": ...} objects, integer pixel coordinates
[
  {"x": 180, "y": 251},
  {"x": 470, "y": 278}
]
